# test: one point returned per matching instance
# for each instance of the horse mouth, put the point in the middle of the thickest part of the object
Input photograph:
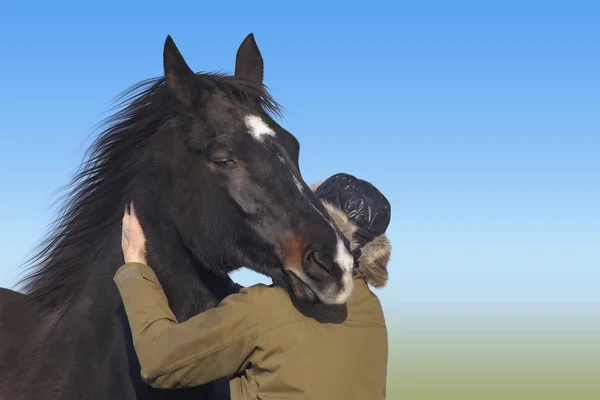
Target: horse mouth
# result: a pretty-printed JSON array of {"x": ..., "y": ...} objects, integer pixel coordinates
[{"x": 302, "y": 290}]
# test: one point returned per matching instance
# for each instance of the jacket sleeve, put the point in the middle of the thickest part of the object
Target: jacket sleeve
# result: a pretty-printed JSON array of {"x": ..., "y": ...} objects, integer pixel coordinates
[{"x": 208, "y": 346}]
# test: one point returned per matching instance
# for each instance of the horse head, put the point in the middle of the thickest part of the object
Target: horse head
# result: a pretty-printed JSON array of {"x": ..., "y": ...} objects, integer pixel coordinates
[{"x": 226, "y": 177}]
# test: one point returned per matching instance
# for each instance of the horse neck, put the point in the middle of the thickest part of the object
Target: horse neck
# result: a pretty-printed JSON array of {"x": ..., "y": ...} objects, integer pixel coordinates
[
  {"x": 94, "y": 323},
  {"x": 189, "y": 287}
]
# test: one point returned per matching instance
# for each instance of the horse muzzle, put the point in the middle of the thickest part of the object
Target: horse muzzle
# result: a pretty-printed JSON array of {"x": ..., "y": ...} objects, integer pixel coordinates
[{"x": 322, "y": 273}]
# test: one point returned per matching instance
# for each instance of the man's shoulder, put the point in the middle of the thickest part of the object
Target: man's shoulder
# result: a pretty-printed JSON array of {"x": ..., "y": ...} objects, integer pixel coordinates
[
  {"x": 364, "y": 305},
  {"x": 255, "y": 299},
  {"x": 271, "y": 305},
  {"x": 261, "y": 292}
]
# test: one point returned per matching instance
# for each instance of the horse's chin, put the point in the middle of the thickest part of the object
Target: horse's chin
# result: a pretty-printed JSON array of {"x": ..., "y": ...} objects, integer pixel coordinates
[{"x": 302, "y": 291}]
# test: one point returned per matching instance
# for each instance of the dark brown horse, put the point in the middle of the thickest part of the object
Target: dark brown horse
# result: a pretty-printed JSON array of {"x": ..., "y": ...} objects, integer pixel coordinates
[{"x": 217, "y": 186}]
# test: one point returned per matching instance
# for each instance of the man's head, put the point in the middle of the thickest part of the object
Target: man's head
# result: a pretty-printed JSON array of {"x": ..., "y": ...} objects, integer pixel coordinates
[{"x": 362, "y": 213}]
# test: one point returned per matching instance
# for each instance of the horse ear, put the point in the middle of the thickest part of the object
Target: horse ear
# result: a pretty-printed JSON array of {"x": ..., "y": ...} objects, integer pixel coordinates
[
  {"x": 249, "y": 62},
  {"x": 179, "y": 76}
]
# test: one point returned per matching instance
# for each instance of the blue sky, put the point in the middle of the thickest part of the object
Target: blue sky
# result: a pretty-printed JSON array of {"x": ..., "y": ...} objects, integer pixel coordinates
[{"x": 480, "y": 121}]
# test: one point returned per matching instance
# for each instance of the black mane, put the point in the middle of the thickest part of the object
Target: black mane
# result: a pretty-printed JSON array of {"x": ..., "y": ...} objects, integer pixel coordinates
[{"x": 96, "y": 196}]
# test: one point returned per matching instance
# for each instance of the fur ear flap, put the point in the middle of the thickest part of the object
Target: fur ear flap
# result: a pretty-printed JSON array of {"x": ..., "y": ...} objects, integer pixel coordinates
[
  {"x": 375, "y": 255},
  {"x": 315, "y": 185},
  {"x": 340, "y": 219},
  {"x": 372, "y": 263}
]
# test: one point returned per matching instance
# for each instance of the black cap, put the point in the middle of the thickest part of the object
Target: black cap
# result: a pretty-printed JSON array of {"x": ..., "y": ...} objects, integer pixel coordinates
[{"x": 362, "y": 202}]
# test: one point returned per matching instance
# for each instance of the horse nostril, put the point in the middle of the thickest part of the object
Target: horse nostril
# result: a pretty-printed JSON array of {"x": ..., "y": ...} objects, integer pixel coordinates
[{"x": 313, "y": 259}]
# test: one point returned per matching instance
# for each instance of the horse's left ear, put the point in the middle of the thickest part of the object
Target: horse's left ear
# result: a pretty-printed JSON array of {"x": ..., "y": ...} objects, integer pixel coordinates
[
  {"x": 178, "y": 75},
  {"x": 249, "y": 62}
]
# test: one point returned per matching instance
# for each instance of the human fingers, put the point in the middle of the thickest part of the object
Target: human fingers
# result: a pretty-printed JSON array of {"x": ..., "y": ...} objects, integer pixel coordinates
[{"x": 136, "y": 232}]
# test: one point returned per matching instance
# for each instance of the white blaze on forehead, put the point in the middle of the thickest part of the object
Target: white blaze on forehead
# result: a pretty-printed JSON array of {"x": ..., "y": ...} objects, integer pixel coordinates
[{"x": 257, "y": 127}]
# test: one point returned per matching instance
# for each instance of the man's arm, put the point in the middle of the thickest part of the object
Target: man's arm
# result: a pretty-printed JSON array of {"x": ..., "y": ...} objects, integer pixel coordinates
[{"x": 208, "y": 346}]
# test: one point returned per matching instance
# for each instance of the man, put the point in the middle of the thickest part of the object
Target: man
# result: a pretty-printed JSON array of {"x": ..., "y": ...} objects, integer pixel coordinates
[{"x": 268, "y": 345}]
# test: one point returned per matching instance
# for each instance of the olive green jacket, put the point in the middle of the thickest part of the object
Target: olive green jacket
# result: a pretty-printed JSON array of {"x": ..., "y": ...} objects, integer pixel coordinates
[{"x": 266, "y": 346}]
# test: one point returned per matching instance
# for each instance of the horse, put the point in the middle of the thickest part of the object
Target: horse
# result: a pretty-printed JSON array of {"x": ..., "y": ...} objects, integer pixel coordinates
[{"x": 216, "y": 184}]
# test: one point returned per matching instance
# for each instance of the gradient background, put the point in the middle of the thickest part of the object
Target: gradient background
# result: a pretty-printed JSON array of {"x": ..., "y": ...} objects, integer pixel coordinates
[{"x": 480, "y": 120}]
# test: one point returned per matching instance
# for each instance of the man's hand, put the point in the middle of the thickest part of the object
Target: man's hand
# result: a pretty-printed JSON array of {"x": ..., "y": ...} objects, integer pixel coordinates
[{"x": 133, "y": 240}]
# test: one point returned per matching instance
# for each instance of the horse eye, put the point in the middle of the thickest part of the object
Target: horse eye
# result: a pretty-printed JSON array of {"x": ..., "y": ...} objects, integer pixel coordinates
[
  {"x": 221, "y": 158},
  {"x": 222, "y": 161},
  {"x": 219, "y": 155}
]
